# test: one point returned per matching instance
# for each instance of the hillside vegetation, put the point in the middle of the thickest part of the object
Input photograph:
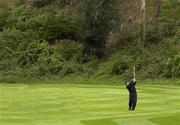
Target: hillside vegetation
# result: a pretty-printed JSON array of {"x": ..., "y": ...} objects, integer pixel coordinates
[{"x": 44, "y": 39}]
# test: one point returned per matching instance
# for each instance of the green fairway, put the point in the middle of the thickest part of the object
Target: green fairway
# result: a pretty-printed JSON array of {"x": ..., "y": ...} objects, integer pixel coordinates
[{"x": 87, "y": 105}]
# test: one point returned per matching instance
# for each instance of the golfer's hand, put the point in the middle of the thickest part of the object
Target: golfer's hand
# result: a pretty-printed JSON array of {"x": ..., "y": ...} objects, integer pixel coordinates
[{"x": 134, "y": 79}]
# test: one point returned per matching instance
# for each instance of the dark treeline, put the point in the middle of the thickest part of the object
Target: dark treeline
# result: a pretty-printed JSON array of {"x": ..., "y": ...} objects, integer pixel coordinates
[{"x": 40, "y": 38}]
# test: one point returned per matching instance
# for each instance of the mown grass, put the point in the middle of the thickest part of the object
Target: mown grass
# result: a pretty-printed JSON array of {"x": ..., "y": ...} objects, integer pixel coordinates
[{"x": 80, "y": 104}]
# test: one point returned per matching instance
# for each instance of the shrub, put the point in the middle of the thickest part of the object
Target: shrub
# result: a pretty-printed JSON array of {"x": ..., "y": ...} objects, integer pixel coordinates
[
  {"x": 172, "y": 67},
  {"x": 71, "y": 68},
  {"x": 69, "y": 50},
  {"x": 18, "y": 17},
  {"x": 31, "y": 54},
  {"x": 50, "y": 26},
  {"x": 13, "y": 44},
  {"x": 152, "y": 36},
  {"x": 4, "y": 14},
  {"x": 119, "y": 67},
  {"x": 63, "y": 2},
  {"x": 115, "y": 65}
]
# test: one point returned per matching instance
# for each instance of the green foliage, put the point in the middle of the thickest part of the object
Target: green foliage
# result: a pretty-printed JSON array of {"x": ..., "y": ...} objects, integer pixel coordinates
[
  {"x": 18, "y": 16},
  {"x": 152, "y": 36},
  {"x": 49, "y": 26},
  {"x": 69, "y": 50},
  {"x": 19, "y": 49},
  {"x": 171, "y": 9},
  {"x": 3, "y": 18},
  {"x": 24, "y": 43},
  {"x": 166, "y": 24},
  {"x": 118, "y": 64},
  {"x": 167, "y": 27},
  {"x": 32, "y": 53},
  {"x": 172, "y": 63},
  {"x": 13, "y": 39},
  {"x": 25, "y": 55},
  {"x": 172, "y": 67},
  {"x": 63, "y": 2}
]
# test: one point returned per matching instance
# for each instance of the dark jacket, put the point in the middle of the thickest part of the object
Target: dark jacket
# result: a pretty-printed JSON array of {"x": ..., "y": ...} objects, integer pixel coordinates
[{"x": 131, "y": 87}]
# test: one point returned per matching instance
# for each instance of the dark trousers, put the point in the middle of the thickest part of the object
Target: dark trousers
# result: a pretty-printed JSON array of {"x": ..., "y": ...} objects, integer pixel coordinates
[{"x": 132, "y": 101}]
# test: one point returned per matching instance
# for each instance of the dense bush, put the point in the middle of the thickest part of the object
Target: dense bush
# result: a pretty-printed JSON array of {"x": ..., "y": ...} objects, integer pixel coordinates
[
  {"x": 172, "y": 67},
  {"x": 24, "y": 42},
  {"x": 171, "y": 9},
  {"x": 63, "y": 2},
  {"x": 166, "y": 28},
  {"x": 24, "y": 54},
  {"x": 18, "y": 47},
  {"x": 3, "y": 18},
  {"x": 61, "y": 60},
  {"x": 50, "y": 26},
  {"x": 18, "y": 16},
  {"x": 69, "y": 50},
  {"x": 172, "y": 64},
  {"x": 118, "y": 64}
]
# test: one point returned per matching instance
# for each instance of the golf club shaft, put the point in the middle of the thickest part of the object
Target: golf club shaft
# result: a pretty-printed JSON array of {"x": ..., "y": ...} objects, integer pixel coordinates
[{"x": 134, "y": 71}]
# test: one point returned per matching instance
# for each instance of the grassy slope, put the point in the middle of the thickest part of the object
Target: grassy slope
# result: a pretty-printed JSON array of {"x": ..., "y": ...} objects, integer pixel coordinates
[{"x": 87, "y": 105}]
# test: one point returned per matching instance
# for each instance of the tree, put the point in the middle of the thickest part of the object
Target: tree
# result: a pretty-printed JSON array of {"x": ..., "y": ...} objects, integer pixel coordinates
[
  {"x": 143, "y": 9},
  {"x": 157, "y": 8},
  {"x": 97, "y": 20}
]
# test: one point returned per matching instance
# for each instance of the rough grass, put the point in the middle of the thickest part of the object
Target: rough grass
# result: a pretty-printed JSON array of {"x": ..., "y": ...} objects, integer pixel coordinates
[{"x": 46, "y": 104}]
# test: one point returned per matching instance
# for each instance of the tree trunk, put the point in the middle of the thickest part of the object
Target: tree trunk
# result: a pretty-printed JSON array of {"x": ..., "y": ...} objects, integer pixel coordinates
[
  {"x": 158, "y": 5},
  {"x": 143, "y": 10},
  {"x": 157, "y": 14}
]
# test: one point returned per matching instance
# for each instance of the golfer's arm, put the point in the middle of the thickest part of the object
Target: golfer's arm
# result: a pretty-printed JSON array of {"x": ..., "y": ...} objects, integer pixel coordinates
[{"x": 134, "y": 82}]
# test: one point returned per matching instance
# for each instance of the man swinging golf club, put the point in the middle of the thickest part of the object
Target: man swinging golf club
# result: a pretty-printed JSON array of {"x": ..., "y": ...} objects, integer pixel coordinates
[{"x": 130, "y": 85}]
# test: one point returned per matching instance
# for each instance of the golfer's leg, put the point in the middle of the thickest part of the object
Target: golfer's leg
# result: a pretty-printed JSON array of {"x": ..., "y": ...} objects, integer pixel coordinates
[
  {"x": 134, "y": 105},
  {"x": 130, "y": 104},
  {"x": 134, "y": 102},
  {"x": 130, "y": 101}
]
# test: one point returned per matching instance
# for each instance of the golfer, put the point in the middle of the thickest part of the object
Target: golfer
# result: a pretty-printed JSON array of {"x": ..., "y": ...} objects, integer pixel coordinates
[{"x": 130, "y": 85}]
